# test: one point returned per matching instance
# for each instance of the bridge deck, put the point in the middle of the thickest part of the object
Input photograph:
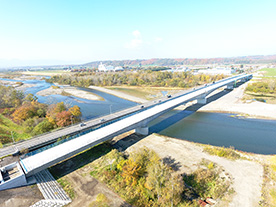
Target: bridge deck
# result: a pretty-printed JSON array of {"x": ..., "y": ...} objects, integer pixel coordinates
[{"x": 61, "y": 152}]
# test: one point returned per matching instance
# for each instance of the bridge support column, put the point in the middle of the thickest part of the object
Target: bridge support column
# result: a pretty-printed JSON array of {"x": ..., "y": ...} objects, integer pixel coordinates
[
  {"x": 202, "y": 100},
  {"x": 230, "y": 87},
  {"x": 142, "y": 130}
]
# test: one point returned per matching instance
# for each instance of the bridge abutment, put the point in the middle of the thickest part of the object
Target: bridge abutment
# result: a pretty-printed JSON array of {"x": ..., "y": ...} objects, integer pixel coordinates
[{"x": 142, "y": 130}]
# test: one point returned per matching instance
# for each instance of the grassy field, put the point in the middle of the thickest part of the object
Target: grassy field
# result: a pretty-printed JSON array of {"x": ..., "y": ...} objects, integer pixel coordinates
[
  {"x": 145, "y": 92},
  {"x": 269, "y": 72},
  {"x": 6, "y": 127}
]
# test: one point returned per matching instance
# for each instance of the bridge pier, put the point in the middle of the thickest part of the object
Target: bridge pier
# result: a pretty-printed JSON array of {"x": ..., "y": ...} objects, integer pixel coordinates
[
  {"x": 230, "y": 87},
  {"x": 142, "y": 130},
  {"x": 202, "y": 100}
]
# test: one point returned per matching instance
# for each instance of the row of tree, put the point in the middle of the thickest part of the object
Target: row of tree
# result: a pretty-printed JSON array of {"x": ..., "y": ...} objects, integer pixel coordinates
[{"x": 140, "y": 78}]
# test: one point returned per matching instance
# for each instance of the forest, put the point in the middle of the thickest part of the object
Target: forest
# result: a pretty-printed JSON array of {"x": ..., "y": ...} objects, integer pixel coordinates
[
  {"x": 22, "y": 116},
  {"x": 135, "y": 78}
]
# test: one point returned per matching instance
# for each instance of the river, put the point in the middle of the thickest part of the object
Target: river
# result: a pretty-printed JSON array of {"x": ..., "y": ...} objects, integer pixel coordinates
[
  {"x": 250, "y": 135},
  {"x": 89, "y": 108},
  {"x": 218, "y": 129}
]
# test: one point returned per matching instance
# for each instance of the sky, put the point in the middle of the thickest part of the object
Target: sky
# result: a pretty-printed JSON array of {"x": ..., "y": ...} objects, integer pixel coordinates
[{"x": 39, "y": 32}]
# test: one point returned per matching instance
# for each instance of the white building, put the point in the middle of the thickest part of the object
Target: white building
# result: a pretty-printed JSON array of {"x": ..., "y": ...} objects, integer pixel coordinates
[{"x": 104, "y": 68}]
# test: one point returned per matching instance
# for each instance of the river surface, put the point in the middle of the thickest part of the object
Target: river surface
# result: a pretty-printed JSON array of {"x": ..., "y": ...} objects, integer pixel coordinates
[
  {"x": 89, "y": 108},
  {"x": 250, "y": 135}
]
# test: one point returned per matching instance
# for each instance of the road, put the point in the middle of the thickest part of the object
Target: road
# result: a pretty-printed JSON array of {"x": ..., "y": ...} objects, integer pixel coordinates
[{"x": 52, "y": 136}]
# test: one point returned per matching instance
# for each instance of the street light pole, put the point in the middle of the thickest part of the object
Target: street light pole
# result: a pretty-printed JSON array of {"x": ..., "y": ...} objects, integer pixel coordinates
[
  {"x": 12, "y": 138},
  {"x": 71, "y": 120}
]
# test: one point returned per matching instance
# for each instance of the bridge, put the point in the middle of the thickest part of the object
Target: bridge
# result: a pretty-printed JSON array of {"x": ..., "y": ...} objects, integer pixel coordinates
[{"x": 139, "y": 121}]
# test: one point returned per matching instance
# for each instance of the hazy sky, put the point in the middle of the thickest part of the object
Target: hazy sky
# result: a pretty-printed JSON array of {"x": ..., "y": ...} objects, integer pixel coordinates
[{"x": 34, "y": 32}]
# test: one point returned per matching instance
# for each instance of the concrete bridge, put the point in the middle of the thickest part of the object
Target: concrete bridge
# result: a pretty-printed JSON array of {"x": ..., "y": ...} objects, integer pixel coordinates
[{"x": 29, "y": 166}]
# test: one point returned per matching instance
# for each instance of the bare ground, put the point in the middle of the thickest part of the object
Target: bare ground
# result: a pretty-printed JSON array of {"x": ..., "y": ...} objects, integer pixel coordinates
[
  {"x": 247, "y": 175},
  {"x": 20, "y": 197}
]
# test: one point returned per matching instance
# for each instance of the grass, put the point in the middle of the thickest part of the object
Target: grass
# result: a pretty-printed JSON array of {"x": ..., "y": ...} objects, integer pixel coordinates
[
  {"x": 268, "y": 188},
  {"x": 7, "y": 126},
  {"x": 269, "y": 72},
  {"x": 67, "y": 187},
  {"x": 228, "y": 153},
  {"x": 207, "y": 183},
  {"x": 269, "y": 98}
]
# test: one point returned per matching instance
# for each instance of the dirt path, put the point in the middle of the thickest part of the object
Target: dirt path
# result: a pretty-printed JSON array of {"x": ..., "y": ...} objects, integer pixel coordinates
[{"x": 247, "y": 175}]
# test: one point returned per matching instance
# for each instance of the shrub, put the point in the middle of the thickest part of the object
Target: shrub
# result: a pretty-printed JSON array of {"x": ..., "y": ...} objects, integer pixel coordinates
[{"x": 222, "y": 152}]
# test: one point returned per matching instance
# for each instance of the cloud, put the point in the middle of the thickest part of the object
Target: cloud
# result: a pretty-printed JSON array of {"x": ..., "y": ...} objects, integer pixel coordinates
[
  {"x": 158, "y": 39},
  {"x": 136, "y": 42}
]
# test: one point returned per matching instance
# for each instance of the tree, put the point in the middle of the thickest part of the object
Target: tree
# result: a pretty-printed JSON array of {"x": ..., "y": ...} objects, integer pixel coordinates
[
  {"x": 30, "y": 97},
  {"x": 75, "y": 111},
  {"x": 63, "y": 119},
  {"x": 131, "y": 172},
  {"x": 24, "y": 112},
  {"x": 42, "y": 127}
]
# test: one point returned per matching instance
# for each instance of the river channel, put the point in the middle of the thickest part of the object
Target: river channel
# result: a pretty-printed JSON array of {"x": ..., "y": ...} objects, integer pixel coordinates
[
  {"x": 250, "y": 135},
  {"x": 89, "y": 108}
]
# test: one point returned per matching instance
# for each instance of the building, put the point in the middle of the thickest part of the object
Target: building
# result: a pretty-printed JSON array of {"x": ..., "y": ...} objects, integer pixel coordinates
[
  {"x": 216, "y": 71},
  {"x": 104, "y": 68}
]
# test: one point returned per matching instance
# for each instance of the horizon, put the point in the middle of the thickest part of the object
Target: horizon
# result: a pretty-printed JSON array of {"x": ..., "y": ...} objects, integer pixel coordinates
[
  {"x": 76, "y": 64},
  {"x": 73, "y": 33}
]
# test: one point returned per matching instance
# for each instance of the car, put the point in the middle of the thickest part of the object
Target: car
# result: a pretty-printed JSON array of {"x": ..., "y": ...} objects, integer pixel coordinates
[
  {"x": 102, "y": 120},
  {"x": 82, "y": 124},
  {"x": 169, "y": 96},
  {"x": 159, "y": 101},
  {"x": 214, "y": 82},
  {"x": 141, "y": 106}
]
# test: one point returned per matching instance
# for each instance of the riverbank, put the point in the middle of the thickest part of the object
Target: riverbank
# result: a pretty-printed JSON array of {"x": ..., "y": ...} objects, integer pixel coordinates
[
  {"x": 69, "y": 91},
  {"x": 119, "y": 94},
  {"x": 233, "y": 103}
]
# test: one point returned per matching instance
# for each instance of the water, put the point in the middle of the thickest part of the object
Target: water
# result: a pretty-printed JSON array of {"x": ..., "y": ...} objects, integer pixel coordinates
[
  {"x": 250, "y": 135},
  {"x": 89, "y": 108}
]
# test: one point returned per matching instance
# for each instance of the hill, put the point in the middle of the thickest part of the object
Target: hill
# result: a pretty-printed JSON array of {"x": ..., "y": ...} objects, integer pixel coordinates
[{"x": 188, "y": 61}]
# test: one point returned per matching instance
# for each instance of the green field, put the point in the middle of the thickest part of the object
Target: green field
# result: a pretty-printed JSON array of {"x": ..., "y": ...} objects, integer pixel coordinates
[
  {"x": 7, "y": 127},
  {"x": 269, "y": 72}
]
